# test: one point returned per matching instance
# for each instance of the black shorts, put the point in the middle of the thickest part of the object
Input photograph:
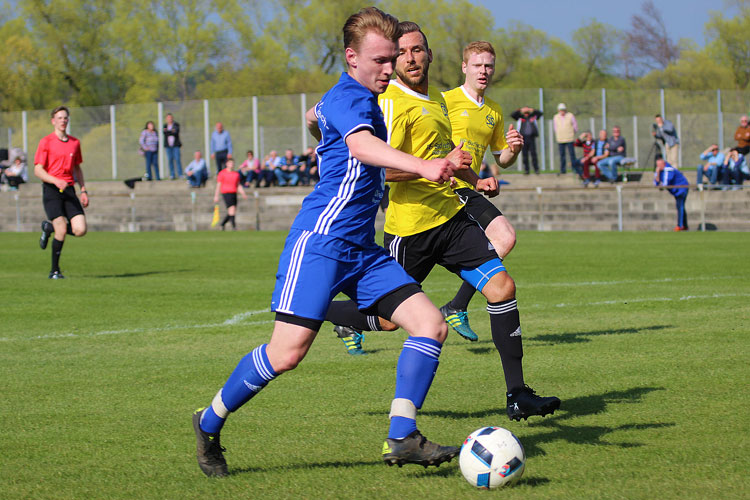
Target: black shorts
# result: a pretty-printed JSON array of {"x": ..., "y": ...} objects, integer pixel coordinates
[
  {"x": 57, "y": 204},
  {"x": 230, "y": 199},
  {"x": 478, "y": 207},
  {"x": 458, "y": 244}
]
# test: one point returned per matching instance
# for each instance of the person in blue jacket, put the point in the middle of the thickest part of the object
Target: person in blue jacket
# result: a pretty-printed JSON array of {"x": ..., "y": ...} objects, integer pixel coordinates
[{"x": 668, "y": 176}]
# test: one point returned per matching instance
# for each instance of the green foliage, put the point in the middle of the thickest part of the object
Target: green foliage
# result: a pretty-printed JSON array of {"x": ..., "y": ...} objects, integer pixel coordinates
[
  {"x": 101, "y": 371},
  {"x": 100, "y": 52}
]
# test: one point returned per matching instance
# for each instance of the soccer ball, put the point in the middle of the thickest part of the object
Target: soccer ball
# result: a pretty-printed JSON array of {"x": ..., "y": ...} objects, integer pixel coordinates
[{"x": 492, "y": 457}]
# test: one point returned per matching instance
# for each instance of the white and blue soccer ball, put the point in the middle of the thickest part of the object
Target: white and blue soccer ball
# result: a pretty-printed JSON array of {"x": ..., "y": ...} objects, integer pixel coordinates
[{"x": 492, "y": 457}]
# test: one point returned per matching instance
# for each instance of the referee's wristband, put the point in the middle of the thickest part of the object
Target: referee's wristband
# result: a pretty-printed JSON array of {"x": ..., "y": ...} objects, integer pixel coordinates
[{"x": 83, "y": 190}]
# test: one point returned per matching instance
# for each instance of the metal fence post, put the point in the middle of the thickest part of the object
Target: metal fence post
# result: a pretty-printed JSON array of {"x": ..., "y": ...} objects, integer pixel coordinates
[
  {"x": 679, "y": 136},
  {"x": 18, "y": 212},
  {"x": 540, "y": 225},
  {"x": 256, "y": 137},
  {"x": 160, "y": 118},
  {"x": 604, "y": 108},
  {"x": 592, "y": 127},
  {"x": 543, "y": 144},
  {"x": 303, "y": 109},
  {"x": 132, "y": 212},
  {"x": 256, "y": 197},
  {"x": 25, "y": 134},
  {"x": 206, "y": 136},
  {"x": 720, "y": 117},
  {"x": 703, "y": 206},
  {"x": 113, "y": 140},
  {"x": 635, "y": 140},
  {"x": 663, "y": 106},
  {"x": 619, "y": 207},
  {"x": 10, "y": 139}
]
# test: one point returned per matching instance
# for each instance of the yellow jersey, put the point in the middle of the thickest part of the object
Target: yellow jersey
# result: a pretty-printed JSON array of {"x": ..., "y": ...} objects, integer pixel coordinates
[
  {"x": 417, "y": 124},
  {"x": 478, "y": 124}
]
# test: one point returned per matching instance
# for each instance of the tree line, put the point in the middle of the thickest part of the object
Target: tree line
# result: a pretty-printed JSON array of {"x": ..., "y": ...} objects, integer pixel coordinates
[{"x": 98, "y": 52}]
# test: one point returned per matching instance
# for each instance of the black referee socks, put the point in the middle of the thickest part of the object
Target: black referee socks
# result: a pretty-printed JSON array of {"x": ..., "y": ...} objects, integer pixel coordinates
[{"x": 506, "y": 334}]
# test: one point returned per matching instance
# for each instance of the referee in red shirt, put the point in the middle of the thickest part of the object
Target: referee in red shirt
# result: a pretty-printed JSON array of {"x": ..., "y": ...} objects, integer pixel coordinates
[{"x": 58, "y": 164}]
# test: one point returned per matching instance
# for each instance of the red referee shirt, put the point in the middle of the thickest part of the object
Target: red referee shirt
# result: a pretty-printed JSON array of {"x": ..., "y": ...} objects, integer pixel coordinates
[{"x": 59, "y": 157}]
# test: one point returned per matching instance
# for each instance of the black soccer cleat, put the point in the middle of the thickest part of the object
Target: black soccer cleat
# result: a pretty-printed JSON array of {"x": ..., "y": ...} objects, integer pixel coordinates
[
  {"x": 47, "y": 229},
  {"x": 56, "y": 275},
  {"x": 524, "y": 403},
  {"x": 209, "y": 450},
  {"x": 417, "y": 449}
]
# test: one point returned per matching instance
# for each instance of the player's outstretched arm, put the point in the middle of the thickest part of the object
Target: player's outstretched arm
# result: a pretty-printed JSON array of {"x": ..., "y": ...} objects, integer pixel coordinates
[{"x": 370, "y": 150}]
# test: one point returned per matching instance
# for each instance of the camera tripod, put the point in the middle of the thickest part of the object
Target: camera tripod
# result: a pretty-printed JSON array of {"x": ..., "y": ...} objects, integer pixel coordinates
[{"x": 654, "y": 148}]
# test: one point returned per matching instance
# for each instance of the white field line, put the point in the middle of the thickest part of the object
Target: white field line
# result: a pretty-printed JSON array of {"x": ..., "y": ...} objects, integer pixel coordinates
[{"x": 239, "y": 319}]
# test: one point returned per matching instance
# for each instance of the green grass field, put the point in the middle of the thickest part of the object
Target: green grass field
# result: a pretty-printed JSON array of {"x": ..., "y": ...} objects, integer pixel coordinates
[{"x": 644, "y": 337}]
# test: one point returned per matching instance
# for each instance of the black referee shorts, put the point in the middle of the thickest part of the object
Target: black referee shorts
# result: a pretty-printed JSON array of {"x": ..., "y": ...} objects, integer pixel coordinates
[
  {"x": 458, "y": 244},
  {"x": 478, "y": 207},
  {"x": 230, "y": 199},
  {"x": 57, "y": 204}
]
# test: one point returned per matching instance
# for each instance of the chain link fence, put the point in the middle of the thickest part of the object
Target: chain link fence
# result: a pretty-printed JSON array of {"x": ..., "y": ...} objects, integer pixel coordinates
[{"x": 109, "y": 134}]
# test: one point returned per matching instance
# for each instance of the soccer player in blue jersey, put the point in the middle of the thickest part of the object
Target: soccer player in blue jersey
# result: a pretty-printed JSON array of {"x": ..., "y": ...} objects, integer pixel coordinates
[
  {"x": 331, "y": 248},
  {"x": 666, "y": 176}
]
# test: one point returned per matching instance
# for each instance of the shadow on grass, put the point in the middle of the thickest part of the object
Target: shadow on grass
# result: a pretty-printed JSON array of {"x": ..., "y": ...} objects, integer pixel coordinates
[
  {"x": 557, "y": 426},
  {"x": 138, "y": 275},
  {"x": 579, "y": 337},
  {"x": 302, "y": 466}
]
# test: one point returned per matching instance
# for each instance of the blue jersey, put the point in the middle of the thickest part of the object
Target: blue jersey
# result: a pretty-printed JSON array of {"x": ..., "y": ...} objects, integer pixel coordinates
[
  {"x": 670, "y": 176},
  {"x": 346, "y": 199}
]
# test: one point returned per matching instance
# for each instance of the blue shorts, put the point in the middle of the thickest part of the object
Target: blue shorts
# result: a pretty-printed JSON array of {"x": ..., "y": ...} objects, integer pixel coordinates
[{"x": 314, "y": 268}]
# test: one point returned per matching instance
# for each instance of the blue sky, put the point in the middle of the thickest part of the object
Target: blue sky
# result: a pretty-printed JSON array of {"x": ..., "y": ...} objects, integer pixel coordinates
[{"x": 559, "y": 18}]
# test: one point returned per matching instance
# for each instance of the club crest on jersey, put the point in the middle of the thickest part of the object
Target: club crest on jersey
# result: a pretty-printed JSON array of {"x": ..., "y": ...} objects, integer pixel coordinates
[
  {"x": 490, "y": 121},
  {"x": 444, "y": 108}
]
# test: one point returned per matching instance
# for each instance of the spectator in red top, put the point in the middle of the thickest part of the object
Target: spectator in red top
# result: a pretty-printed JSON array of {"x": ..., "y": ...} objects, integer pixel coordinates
[
  {"x": 586, "y": 141},
  {"x": 228, "y": 183},
  {"x": 58, "y": 164}
]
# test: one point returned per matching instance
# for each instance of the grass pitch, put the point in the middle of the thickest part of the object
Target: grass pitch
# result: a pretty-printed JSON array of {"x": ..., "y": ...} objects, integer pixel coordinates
[{"x": 644, "y": 337}]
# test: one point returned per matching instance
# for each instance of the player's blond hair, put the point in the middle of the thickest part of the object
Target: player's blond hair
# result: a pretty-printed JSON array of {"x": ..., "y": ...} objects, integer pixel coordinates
[
  {"x": 366, "y": 20},
  {"x": 478, "y": 47}
]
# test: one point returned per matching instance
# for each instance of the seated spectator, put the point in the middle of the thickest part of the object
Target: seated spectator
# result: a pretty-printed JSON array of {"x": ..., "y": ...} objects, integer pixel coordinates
[
  {"x": 17, "y": 171},
  {"x": 197, "y": 171},
  {"x": 583, "y": 164},
  {"x": 486, "y": 171},
  {"x": 272, "y": 161},
  {"x": 252, "y": 170},
  {"x": 712, "y": 168},
  {"x": 287, "y": 170},
  {"x": 735, "y": 169},
  {"x": 308, "y": 167},
  {"x": 742, "y": 136},
  {"x": 616, "y": 147}
]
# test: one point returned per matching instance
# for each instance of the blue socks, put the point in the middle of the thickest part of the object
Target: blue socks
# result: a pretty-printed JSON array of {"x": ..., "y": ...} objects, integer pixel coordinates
[
  {"x": 416, "y": 368},
  {"x": 252, "y": 374}
]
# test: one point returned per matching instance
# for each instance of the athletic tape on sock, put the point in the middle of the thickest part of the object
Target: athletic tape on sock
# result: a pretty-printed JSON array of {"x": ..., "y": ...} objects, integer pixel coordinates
[
  {"x": 401, "y": 407},
  {"x": 218, "y": 406}
]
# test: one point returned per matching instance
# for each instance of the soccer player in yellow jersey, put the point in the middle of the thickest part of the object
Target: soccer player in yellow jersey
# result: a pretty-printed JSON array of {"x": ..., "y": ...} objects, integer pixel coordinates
[
  {"x": 478, "y": 122},
  {"x": 426, "y": 224}
]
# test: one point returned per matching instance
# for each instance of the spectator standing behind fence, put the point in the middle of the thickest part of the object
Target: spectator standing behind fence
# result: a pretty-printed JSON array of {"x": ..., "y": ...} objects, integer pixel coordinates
[
  {"x": 742, "y": 136},
  {"x": 664, "y": 131},
  {"x": 667, "y": 176},
  {"x": 309, "y": 167},
  {"x": 735, "y": 169},
  {"x": 221, "y": 146},
  {"x": 617, "y": 151},
  {"x": 197, "y": 171},
  {"x": 17, "y": 171},
  {"x": 714, "y": 163},
  {"x": 527, "y": 119},
  {"x": 172, "y": 146},
  {"x": 149, "y": 142},
  {"x": 566, "y": 128}
]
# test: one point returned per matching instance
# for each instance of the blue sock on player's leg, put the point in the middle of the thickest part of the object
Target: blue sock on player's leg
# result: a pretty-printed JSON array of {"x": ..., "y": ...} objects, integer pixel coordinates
[
  {"x": 252, "y": 374},
  {"x": 416, "y": 368}
]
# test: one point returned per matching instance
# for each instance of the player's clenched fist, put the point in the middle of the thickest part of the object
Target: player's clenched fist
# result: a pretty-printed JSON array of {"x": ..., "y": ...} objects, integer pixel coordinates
[{"x": 461, "y": 159}]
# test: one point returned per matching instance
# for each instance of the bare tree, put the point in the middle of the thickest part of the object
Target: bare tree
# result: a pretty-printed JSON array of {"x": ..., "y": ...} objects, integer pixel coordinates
[{"x": 647, "y": 43}]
